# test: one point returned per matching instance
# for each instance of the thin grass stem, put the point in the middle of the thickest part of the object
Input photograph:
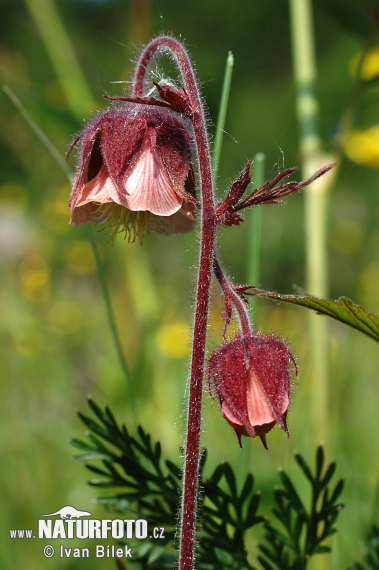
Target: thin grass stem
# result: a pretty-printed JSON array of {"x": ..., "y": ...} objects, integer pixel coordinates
[
  {"x": 316, "y": 203},
  {"x": 254, "y": 221},
  {"x": 40, "y": 134},
  {"x": 59, "y": 48},
  {"x": 222, "y": 114}
]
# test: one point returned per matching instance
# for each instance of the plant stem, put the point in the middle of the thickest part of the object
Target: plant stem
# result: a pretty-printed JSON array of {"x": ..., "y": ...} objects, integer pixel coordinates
[
  {"x": 231, "y": 295},
  {"x": 316, "y": 200},
  {"x": 254, "y": 252},
  {"x": 40, "y": 134},
  {"x": 62, "y": 55},
  {"x": 157, "y": 47},
  {"x": 222, "y": 114}
]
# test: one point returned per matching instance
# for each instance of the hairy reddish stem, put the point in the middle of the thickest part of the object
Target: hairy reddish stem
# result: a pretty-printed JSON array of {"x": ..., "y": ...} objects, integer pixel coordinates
[
  {"x": 231, "y": 294},
  {"x": 154, "y": 49}
]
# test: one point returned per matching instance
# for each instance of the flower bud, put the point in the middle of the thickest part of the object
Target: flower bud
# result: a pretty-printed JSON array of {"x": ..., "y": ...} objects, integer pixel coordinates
[
  {"x": 134, "y": 172},
  {"x": 251, "y": 376}
]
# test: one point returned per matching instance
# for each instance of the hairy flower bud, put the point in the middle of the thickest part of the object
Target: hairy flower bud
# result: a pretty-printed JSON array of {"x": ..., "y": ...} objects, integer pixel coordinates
[
  {"x": 134, "y": 172},
  {"x": 251, "y": 376}
]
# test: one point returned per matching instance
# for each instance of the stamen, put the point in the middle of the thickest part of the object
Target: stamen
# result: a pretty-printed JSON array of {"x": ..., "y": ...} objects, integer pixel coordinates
[{"x": 118, "y": 219}]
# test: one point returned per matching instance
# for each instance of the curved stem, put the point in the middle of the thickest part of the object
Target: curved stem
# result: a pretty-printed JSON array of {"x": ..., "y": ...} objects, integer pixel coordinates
[
  {"x": 154, "y": 49},
  {"x": 231, "y": 294}
]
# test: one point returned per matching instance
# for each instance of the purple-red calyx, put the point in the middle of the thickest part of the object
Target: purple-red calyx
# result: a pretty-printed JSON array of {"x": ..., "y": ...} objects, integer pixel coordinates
[
  {"x": 251, "y": 377},
  {"x": 134, "y": 172},
  {"x": 270, "y": 193}
]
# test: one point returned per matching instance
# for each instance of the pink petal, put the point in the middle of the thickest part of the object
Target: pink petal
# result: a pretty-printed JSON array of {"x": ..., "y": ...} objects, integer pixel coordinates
[
  {"x": 148, "y": 184},
  {"x": 181, "y": 222},
  {"x": 258, "y": 406},
  {"x": 83, "y": 214},
  {"x": 97, "y": 190},
  {"x": 233, "y": 421},
  {"x": 229, "y": 416}
]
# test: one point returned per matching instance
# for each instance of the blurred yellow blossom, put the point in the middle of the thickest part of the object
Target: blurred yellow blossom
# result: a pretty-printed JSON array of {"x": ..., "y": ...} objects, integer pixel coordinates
[
  {"x": 362, "y": 146},
  {"x": 370, "y": 64},
  {"x": 173, "y": 339},
  {"x": 34, "y": 278}
]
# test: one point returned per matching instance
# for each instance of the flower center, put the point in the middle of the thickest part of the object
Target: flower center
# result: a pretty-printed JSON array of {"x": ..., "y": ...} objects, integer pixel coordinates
[{"x": 117, "y": 218}]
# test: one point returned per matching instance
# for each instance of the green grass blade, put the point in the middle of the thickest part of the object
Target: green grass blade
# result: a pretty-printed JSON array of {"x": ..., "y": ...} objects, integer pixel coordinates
[{"x": 222, "y": 113}]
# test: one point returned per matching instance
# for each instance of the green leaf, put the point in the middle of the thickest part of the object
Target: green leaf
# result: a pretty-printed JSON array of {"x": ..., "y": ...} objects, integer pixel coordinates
[
  {"x": 304, "y": 467},
  {"x": 150, "y": 488},
  {"x": 305, "y": 525},
  {"x": 329, "y": 474},
  {"x": 337, "y": 491},
  {"x": 343, "y": 310},
  {"x": 296, "y": 502},
  {"x": 229, "y": 475},
  {"x": 95, "y": 456},
  {"x": 319, "y": 461}
]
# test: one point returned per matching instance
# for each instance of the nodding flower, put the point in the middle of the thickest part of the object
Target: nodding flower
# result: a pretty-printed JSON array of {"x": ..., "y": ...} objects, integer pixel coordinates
[
  {"x": 251, "y": 376},
  {"x": 134, "y": 172}
]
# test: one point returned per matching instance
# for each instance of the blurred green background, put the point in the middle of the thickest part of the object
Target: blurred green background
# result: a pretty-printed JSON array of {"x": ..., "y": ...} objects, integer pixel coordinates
[{"x": 56, "y": 346}]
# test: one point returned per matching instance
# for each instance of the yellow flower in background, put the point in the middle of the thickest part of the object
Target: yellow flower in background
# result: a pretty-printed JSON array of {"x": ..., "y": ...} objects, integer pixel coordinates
[
  {"x": 34, "y": 278},
  {"x": 173, "y": 339},
  {"x": 362, "y": 146},
  {"x": 370, "y": 64}
]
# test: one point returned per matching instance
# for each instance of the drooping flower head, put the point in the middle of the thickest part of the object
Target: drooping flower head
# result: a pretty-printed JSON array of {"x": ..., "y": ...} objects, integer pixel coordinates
[
  {"x": 134, "y": 172},
  {"x": 251, "y": 376}
]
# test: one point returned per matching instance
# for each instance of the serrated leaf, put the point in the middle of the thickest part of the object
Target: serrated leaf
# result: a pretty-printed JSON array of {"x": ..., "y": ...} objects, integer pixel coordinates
[
  {"x": 249, "y": 483},
  {"x": 96, "y": 409},
  {"x": 298, "y": 527},
  {"x": 100, "y": 446},
  {"x": 79, "y": 444},
  {"x": 217, "y": 474},
  {"x": 97, "y": 470},
  {"x": 304, "y": 467},
  {"x": 343, "y": 310},
  {"x": 229, "y": 475},
  {"x": 328, "y": 475},
  {"x": 175, "y": 470},
  {"x": 95, "y": 427},
  {"x": 251, "y": 517},
  {"x": 296, "y": 502},
  {"x": 319, "y": 461},
  {"x": 95, "y": 456}
]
